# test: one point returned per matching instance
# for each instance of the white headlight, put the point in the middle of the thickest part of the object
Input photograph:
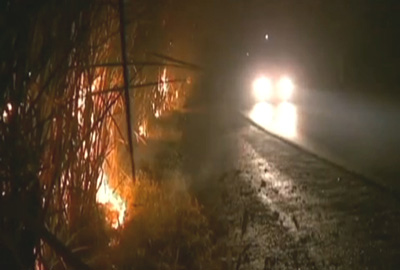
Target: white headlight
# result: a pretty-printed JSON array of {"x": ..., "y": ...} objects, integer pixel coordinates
[
  {"x": 262, "y": 88},
  {"x": 285, "y": 87}
]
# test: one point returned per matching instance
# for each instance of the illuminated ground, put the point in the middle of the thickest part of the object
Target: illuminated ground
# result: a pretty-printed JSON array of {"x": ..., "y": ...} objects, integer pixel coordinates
[
  {"x": 273, "y": 206},
  {"x": 357, "y": 131}
]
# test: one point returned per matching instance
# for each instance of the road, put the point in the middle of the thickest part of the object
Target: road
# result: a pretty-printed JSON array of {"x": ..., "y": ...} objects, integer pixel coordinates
[
  {"x": 357, "y": 132},
  {"x": 275, "y": 206}
]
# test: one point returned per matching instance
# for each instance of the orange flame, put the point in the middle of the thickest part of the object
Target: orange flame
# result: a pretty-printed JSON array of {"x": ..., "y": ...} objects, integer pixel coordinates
[{"x": 113, "y": 202}]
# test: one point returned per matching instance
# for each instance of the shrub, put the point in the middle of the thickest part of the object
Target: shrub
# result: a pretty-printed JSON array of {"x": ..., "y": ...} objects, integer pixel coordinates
[{"x": 167, "y": 230}]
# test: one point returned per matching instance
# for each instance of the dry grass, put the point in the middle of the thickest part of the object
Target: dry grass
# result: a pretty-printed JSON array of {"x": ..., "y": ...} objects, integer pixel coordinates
[{"x": 166, "y": 231}]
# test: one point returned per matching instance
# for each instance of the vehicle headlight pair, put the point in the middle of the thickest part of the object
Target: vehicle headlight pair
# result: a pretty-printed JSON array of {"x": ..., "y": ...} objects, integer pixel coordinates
[{"x": 265, "y": 89}]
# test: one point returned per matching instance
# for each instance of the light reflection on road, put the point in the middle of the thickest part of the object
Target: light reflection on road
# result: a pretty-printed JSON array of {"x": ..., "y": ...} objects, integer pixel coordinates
[{"x": 280, "y": 119}]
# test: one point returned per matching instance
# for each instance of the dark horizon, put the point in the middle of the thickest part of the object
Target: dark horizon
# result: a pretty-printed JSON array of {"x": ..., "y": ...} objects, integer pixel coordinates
[{"x": 338, "y": 43}]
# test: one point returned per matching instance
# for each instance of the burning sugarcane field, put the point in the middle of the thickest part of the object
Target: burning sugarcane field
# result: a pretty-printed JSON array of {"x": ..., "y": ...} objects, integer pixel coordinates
[
  {"x": 195, "y": 134},
  {"x": 84, "y": 86}
]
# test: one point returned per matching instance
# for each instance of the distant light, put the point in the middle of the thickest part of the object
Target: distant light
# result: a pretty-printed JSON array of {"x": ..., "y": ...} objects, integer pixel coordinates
[
  {"x": 285, "y": 87},
  {"x": 262, "y": 88},
  {"x": 266, "y": 37},
  {"x": 281, "y": 119},
  {"x": 247, "y": 54}
]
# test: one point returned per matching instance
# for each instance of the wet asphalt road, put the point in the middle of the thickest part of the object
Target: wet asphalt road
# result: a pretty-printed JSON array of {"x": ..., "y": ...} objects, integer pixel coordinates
[
  {"x": 282, "y": 208},
  {"x": 356, "y": 131}
]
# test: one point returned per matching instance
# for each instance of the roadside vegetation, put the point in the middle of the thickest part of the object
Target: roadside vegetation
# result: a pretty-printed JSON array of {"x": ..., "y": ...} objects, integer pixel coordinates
[{"x": 68, "y": 197}]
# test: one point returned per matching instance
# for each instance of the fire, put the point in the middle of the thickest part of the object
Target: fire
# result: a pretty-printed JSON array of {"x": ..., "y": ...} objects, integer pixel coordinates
[
  {"x": 163, "y": 85},
  {"x": 143, "y": 130},
  {"x": 115, "y": 205},
  {"x": 7, "y": 112}
]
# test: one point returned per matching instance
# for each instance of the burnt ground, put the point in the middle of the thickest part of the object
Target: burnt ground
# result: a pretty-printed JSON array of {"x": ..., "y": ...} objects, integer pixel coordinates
[{"x": 272, "y": 206}]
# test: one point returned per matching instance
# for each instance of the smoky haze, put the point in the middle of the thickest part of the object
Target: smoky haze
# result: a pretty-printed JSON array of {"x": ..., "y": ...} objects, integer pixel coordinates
[{"x": 342, "y": 54}]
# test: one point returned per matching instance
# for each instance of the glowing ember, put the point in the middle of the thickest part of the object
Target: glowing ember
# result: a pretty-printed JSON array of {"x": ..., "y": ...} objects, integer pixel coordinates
[
  {"x": 163, "y": 86},
  {"x": 143, "y": 130},
  {"x": 115, "y": 205},
  {"x": 7, "y": 111}
]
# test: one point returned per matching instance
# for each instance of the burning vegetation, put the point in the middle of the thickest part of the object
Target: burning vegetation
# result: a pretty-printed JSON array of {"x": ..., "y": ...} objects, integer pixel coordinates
[{"x": 68, "y": 197}]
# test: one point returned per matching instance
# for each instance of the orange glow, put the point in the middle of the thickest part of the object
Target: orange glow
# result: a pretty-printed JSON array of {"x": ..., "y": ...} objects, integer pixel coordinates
[
  {"x": 163, "y": 86},
  {"x": 7, "y": 111},
  {"x": 115, "y": 205},
  {"x": 143, "y": 130}
]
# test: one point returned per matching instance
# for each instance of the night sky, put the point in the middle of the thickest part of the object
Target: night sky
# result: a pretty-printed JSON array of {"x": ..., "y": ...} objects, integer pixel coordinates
[{"x": 345, "y": 43}]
